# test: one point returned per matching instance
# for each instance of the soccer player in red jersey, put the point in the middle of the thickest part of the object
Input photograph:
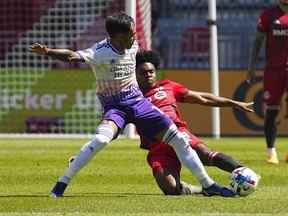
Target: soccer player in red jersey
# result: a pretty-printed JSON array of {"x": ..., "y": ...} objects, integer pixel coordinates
[
  {"x": 272, "y": 26},
  {"x": 164, "y": 95}
]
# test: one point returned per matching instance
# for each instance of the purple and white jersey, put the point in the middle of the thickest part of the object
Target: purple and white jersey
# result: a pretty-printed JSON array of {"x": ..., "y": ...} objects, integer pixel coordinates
[{"x": 114, "y": 72}]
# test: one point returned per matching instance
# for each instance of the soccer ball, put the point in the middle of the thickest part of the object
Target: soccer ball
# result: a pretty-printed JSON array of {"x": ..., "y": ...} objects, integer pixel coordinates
[{"x": 244, "y": 181}]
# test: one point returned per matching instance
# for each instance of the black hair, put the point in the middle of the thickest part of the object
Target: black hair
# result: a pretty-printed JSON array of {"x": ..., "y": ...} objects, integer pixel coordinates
[
  {"x": 148, "y": 56},
  {"x": 120, "y": 23}
]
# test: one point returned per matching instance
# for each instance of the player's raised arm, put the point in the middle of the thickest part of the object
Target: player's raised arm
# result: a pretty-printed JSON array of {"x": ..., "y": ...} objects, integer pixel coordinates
[
  {"x": 60, "y": 54},
  {"x": 209, "y": 99}
]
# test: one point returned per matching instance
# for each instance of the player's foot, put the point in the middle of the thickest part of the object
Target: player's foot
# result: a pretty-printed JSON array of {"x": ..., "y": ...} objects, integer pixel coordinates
[
  {"x": 58, "y": 190},
  {"x": 216, "y": 189},
  {"x": 188, "y": 189},
  {"x": 273, "y": 159}
]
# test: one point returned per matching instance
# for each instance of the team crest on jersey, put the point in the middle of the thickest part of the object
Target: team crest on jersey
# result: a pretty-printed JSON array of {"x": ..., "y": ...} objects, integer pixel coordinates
[{"x": 160, "y": 95}]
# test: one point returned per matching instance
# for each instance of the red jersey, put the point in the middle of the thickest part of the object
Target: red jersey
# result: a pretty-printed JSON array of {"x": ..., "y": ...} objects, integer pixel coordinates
[
  {"x": 274, "y": 23},
  {"x": 164, "y": 95}
]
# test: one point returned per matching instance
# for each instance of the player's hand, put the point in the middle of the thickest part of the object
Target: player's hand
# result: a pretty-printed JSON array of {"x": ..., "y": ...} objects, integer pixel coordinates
[
  {"x": 38, "y": 48},
  {"x": 247, "y": 107}
]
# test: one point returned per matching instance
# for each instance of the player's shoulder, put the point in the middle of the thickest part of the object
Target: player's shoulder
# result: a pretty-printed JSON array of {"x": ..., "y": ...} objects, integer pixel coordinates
[
  {"x": 163, "y": 82},
  {"x": 101, "y": 46},
  {"x": 168, "y": 82},
  {"x": 135, "y": 47}
]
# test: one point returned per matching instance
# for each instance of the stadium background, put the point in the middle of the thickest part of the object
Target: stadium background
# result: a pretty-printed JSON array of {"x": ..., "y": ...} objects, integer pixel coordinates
[{"x": 40, "y": 95}]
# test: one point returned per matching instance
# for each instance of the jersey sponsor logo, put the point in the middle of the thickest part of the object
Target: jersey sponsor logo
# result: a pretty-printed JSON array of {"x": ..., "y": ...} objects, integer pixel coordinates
[
  {"x": 280, "y": 32},
  {"x": 121, "y": 71}
]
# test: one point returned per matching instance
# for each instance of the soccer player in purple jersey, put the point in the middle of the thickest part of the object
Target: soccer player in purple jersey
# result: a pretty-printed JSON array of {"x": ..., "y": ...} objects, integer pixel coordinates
[
  {"x": 272, "y": 26},
  {"x": 113, "y": 63},
  {"x": 165, "y": 94}
]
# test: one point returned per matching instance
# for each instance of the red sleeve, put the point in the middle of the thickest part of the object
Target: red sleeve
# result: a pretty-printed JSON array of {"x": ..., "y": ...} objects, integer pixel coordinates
[
  {"x": 263, "y": 21},
  {"x": 179, "y": 91}
]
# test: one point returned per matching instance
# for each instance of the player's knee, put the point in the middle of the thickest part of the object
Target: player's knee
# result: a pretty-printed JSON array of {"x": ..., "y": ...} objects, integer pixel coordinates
[
  {"x": 167, "y": 183},
  {"x": 98, "y": 142},
  {"x": 104, "y": 135},
  {"x": 170, "y": 188},
  {"x": 173, "y": 191},
  {"x": 105, "y": 130},
  {"x": 272, "y": 112},
  {"x": 174, "y": 138}
]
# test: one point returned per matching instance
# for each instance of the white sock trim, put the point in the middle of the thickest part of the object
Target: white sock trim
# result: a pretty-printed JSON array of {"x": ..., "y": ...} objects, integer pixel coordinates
[
  {"x": 187, "y": 155},
  {"x": 271, "y": 151}
]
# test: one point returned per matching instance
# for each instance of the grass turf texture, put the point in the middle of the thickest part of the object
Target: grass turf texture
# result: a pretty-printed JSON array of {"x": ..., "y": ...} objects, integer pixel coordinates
[{"x": 119, "y": 182}]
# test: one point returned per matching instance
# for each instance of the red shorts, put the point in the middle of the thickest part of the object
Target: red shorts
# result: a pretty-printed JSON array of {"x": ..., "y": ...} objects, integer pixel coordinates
[
  {"x": 162, "y": 155},
  {"x": 275, "y": 84}
]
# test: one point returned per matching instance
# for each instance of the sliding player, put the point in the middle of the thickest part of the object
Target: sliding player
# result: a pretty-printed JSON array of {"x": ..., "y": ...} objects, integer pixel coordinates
[{"x": 164, "y": 94}]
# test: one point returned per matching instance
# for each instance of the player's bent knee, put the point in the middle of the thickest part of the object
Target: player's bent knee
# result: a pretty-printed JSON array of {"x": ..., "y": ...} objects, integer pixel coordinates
[
  {"x": 104, "y": 134},
  {"x": 167, "y": 183},
  {"x": 97, "y": 143},
  {"x": 170, "y": 189},
  {"x": 174, "y": 138}
]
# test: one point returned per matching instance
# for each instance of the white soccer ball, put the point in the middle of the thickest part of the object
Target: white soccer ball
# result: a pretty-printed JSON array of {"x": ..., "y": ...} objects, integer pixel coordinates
[{"x": 244, "y": 181}]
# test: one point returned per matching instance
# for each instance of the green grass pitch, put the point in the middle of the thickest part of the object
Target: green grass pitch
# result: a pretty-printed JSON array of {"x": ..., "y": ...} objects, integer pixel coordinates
[{"x": 118, "y": 181}]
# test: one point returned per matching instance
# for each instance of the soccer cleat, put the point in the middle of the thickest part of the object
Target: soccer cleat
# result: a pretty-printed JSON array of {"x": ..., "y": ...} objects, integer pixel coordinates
[
  {"x": 273, "y": 159},
  {"x": 58, "y": 190},
  {"x": 216, "y": 189}
]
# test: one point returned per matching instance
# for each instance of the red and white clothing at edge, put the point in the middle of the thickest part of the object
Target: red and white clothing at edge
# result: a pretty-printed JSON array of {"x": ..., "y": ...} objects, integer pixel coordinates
[
  {"x": 164, "y": 95},
  {"x": 274, "y": 23}
]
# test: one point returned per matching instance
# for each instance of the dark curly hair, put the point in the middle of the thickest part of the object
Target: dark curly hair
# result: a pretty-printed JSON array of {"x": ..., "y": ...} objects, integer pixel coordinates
[{"x": 148, "y": 56}]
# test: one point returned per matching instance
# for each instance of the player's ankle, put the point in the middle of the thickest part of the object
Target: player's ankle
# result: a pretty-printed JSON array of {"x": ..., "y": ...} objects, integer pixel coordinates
[{"x": 64, "y": 179}]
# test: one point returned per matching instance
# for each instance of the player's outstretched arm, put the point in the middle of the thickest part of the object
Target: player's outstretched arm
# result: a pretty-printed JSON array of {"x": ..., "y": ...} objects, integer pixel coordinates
[
  {"x": 257, "y": 44},
  {"x": 209, "y": 99},
  {"x": 60, "y": 54}
]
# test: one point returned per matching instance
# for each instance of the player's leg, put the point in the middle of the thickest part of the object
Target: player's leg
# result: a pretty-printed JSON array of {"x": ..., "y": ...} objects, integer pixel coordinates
[
  {"x": 274, "y": 84},
  {"x": 208, "y": 157},
  {"x": 166, "y": 171},
  {"x": 191, "y": 160},
  {"x": 214, "y": 158},
  {"x": 286, "y": 115},
  {"x": 151, "y": 122},
  {"x": 168, "y": 180},
  {"x": 105, "y": 132},
  {"x": 270, "y": 130}
]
